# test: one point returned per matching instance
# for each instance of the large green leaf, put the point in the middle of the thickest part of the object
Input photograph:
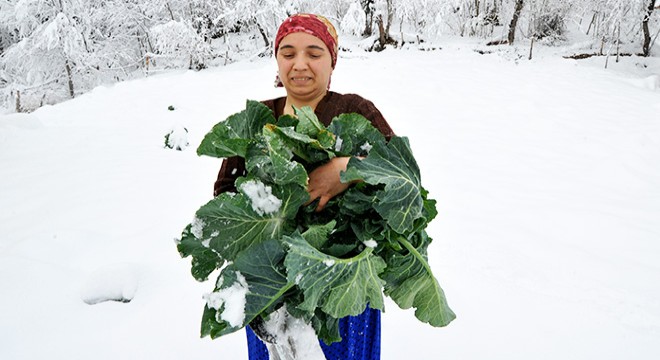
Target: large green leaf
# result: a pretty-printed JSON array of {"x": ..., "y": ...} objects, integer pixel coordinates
[
  {"x": 355, "y": 135},
  {"x": 262, "y": 270},
  {"x": 410, "y": 283},
  {"x": 234, "y": 222},
  {"x": 308, "y": 123},
  {"x": 204, "y": 260},
  {"x": 306, "y": 148},
  {"x": 257, "y": 161},
  {"x": 340, "y": 287},
  {"x": 280, "y": 153},
  {"x": 317, "y": 235},
  {"x": 232, "y": 136},
  {"x": 393, "y": 165}
]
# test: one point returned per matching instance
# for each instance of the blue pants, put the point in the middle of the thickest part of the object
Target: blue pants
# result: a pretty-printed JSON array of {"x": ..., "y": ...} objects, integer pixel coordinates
[{"x": 360, "y": 339}]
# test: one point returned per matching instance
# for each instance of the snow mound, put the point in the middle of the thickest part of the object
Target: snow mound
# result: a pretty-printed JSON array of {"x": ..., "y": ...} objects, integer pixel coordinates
[
  {"x": 652, "y": 82},
  {"x": 115, "y": 282},
  {"x": 177, "y": 138},
  {"x": 19, "y": 120}
]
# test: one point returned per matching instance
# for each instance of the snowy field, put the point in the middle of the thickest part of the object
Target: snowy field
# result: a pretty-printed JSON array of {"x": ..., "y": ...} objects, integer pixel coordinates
[{"x": 546, "y": 174}]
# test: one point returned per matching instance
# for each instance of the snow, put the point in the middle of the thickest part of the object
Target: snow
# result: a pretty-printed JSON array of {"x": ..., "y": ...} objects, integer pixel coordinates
[
  {"x": 338, "y": 143},
  {"x": 366, "y": 147},
  {"x": 545, "y": 172},
  {"x": 197, "y": 227},
  {"x": 371, "y": 243},
  {"x": 292, "y": 336},
  {"x": 231, "y": 300},
  {"x": 113, "y": 282},
  {"x": 177, "y": 138},
  {"x": 328, "y": 262},
  {"x": 261, "y": 196}
]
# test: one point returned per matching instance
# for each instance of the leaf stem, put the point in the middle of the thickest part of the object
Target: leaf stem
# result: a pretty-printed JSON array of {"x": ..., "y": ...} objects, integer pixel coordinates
[{"x": 416, "y": 253}]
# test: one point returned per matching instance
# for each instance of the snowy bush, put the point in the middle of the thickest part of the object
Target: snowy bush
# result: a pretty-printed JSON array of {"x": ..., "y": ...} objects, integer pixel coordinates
[{"x": 177, "y": 138}]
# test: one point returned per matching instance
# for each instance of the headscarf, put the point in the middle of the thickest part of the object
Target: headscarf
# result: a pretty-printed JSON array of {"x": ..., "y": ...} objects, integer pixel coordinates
[{"x": 312, "y": 24}]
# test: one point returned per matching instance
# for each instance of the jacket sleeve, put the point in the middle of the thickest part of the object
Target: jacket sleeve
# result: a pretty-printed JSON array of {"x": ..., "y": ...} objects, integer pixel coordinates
[
  {"x": 367, "y": 109},
  {"x": 231, "y": 169}
]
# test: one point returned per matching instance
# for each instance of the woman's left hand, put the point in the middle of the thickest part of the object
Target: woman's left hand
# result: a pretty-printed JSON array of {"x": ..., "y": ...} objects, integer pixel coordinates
[{"x": 324, "y": 182}]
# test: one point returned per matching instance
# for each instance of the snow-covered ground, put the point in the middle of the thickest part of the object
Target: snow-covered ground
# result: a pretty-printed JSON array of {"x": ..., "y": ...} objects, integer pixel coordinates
[{"x": 545, "y": 171}]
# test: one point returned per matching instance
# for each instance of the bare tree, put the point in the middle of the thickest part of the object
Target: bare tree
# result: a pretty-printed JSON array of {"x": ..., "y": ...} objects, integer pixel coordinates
[
  {"x": 514, "y": 21},
  {"x": 368, "y": 7},
  {"x": 646, "y": 47}
]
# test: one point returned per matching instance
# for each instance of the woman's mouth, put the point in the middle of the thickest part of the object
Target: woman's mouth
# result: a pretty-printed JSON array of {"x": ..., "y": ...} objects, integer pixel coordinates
[{"x": 301, "y": 79}]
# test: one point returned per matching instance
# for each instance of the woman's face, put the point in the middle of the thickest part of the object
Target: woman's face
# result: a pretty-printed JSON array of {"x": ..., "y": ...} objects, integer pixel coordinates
[{"x": 305, "y": 66}]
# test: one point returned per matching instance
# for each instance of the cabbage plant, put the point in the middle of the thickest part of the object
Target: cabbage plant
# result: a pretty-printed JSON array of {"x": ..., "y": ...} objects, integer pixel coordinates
[{"x": 272, "y": 251}]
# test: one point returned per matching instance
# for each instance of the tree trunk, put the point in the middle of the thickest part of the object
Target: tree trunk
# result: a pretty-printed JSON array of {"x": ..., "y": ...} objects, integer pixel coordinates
[
  {"x": 381, "y": 32},
  {"x": 263, "y": 35},
  {"x": 514, "y": 21},
  {"x": 167, "y": 4},
  {"x": 646, "y": 47},
  {"x": 384, "y": 37},
  {"x": 18, "y": 101},
  {"x": 70, "y": 78},
  {"x": 369, "y": 18},
  {"x": 390, "y": 17}
]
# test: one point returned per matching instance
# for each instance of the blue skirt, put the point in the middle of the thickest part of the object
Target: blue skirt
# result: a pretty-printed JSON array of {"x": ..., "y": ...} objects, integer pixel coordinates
[{"x": 360, "y": 339}]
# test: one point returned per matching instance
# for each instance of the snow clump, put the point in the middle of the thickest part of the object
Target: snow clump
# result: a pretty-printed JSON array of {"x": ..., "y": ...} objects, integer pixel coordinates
[
  {"x": 233, "y": 299},
  {"x": 261, "y": 196},
  {"x": 371, "y": 243}
]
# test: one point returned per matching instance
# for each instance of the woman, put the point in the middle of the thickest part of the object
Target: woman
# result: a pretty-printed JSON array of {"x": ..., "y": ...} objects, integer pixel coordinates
[{"x": 306, "y": 53}]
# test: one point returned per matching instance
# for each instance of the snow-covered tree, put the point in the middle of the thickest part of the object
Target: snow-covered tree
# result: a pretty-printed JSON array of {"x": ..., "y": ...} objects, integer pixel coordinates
[
  {"x": 53, "y": 50},
  {"x": 178, "y": 40},
  {"x": 354, "y": 20}
]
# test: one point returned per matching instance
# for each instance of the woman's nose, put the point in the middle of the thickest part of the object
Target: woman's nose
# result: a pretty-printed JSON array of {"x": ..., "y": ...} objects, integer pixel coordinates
[{"x": 299, "y": 63}]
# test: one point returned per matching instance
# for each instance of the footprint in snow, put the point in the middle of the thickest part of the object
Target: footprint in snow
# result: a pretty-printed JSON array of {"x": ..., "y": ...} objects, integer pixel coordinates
[{"x": 114, "y": 282}]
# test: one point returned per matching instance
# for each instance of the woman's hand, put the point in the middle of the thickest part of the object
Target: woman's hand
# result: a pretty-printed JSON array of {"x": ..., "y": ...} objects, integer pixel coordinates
[{"x": 324, "y": 183}]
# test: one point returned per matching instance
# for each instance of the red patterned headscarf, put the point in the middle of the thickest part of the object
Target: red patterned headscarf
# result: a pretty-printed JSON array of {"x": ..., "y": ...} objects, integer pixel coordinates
[{"x": 312, "y": 24}]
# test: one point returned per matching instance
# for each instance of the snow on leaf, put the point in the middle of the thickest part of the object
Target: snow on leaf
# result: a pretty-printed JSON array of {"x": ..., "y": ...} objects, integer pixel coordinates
[
  {"x": 204, "y": 260},
  {"x": 355, "y": 131},
  {"x": 237, "y": 225},
  {"x": 261, "y": 196},
  {"x": 231, "y": 300},
  {"x": 264, "y": 281}
]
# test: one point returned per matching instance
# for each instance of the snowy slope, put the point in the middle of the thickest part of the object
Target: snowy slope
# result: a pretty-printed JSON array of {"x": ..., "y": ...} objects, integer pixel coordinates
[{"x": 545, "y": 172}]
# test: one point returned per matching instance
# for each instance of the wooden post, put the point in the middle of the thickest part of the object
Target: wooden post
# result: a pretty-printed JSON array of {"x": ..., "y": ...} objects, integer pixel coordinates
[
  {"x": 67, "y": 67},
  {"x": 18, "y": 101}
]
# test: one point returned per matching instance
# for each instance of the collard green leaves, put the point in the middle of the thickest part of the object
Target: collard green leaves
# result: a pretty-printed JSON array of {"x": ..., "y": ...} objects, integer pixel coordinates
[
  {"x": 340, "y": 287},
  {"x": 324, "y": 266},
  {"x": 410, "y": 283},
  {"x": 393, "y": 165},
  {"x": 233, "y": 136}
]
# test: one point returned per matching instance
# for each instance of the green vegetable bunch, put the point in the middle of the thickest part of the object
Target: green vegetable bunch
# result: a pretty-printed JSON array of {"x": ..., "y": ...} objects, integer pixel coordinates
[{"x": 272, "y": 250}]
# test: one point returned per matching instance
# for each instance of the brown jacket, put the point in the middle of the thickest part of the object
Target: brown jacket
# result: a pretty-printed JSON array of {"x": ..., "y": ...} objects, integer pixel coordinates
[{"x": 332, "y": 105}]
